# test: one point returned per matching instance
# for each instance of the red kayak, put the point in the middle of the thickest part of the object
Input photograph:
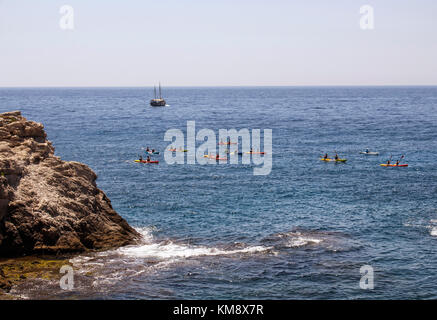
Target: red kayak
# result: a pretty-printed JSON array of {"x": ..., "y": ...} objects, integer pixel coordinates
[
  {"x": 145, "y": 161},
  {"x": 393, "y": 165}
]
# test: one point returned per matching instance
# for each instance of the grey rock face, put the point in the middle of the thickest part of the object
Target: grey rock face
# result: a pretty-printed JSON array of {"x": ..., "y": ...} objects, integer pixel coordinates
[{"x": 48, "y": 205}]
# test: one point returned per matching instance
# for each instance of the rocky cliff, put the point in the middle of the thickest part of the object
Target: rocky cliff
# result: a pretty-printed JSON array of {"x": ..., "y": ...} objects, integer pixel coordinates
[{"x": 48, "y": 205}]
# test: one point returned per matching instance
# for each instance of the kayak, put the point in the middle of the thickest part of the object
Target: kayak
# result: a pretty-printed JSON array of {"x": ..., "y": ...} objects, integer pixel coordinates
[
  {"x": 150, "y": 152},
  {"x": 145, "y": 161},
  {"x": 174, "y": 150},
  {"x": 214, "y": 158},
  {"x": 335, "y": 160},
  {"x": 370, "y": 153},
  {"x": 253, "y": 152},
  {"x": 393, "y": 165}
]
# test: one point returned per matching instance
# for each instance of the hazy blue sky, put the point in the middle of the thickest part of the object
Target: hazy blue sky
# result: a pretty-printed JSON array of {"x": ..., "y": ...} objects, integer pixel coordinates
[{"x": 217, "y": 42}]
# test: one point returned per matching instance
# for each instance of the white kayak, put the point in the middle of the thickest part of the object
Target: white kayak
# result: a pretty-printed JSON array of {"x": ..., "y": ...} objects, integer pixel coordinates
[{"x": 370, "y": 153}]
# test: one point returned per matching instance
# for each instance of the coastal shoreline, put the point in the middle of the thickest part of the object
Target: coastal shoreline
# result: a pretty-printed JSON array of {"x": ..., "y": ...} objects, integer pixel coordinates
[{"x": 50, "y": 209}]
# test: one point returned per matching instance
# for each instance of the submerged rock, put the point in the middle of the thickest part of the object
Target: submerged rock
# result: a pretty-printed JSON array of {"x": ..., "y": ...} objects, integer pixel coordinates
[{"x": 48, "y": 205}]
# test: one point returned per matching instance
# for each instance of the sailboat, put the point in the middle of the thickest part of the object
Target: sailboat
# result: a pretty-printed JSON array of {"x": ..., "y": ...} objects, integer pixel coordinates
[{"x": 158, "y": 101}]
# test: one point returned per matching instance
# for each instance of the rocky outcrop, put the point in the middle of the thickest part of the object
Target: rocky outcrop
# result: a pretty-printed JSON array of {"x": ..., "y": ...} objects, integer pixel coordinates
[{"x": 48, "y": 205}]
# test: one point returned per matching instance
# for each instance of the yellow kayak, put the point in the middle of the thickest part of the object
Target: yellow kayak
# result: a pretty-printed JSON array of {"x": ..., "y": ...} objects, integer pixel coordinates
[{"x": 334, "y": 160}]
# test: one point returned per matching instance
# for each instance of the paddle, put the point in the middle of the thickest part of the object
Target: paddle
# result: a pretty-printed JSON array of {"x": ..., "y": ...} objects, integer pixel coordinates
[{"x": 399, "y": 161}]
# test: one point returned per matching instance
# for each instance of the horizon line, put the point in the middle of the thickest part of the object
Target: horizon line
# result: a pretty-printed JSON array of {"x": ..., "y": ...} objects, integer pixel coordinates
[{"x": 224, "y": 86}]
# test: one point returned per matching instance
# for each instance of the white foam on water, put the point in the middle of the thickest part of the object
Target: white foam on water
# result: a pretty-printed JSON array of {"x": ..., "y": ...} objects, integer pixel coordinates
[
  {"x": 146, "y": 233},
  {"x": 434, "y": 232},
  {"x": 147, "y": 257},
  {"x": 169, "y": 250},
  {"x": 160, "y": 254},
  {"x": 303, "y": 241},
  {"x": 297, "y": 239}
]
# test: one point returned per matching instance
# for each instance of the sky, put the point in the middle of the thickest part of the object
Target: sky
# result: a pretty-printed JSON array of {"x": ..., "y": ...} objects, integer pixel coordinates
[{"x": 217, "y": 43}]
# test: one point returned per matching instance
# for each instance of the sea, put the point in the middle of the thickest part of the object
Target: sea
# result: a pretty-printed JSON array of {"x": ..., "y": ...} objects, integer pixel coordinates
[{"x": 308, "y": 230}]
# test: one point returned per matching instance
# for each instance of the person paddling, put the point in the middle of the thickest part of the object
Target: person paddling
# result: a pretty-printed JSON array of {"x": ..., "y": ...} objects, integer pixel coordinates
[
  {"x": 148, "y": 159},
  {"x": 141, "y": 158},
  {"x": 147, "y": 149},
  {"x": 326, "y": 156},
  {"x": 336, "y": 156}
]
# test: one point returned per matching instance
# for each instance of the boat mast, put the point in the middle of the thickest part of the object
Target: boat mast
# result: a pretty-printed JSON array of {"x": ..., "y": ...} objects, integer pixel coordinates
[
  {"x": 154, "y": 90},
  {"x": 160, "y": 97}
]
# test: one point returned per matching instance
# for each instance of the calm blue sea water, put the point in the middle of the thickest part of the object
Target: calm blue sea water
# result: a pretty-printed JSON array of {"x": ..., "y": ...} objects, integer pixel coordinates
[{"x": 218, "y": 231}]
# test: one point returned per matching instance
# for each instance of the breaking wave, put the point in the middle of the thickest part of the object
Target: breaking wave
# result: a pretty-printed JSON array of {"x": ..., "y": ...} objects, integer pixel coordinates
[
  {"x": 167, "y": 249},
  {"x": 308, "y": 239}
]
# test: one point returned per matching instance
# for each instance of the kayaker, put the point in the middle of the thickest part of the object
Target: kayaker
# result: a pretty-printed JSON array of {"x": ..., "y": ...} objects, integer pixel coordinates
[
  {"x": 402, "y": 156},
  {"x": 147, "y": 149},
  {"x": 148, "y": 159},
  {"x": 141, "y": 158},
  {"x": 336, "y": 156},
  {"x": 367, "y": 150},
  {"x": 217, "y": 157},
  {"x": 388, "y": 161},
  {"x": 326, "y": 156},
  {"x": 153, "y": 150},
  {"x": 397, "y": 162}
]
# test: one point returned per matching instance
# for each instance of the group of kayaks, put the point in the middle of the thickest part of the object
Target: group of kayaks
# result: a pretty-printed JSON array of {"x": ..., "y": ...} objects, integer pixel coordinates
[
  {"x": 367, "y": 152},
  {"x": 152, "y": 152},
  {"x": 227, "y": 151},
  {"x": 325, "y": 158}
]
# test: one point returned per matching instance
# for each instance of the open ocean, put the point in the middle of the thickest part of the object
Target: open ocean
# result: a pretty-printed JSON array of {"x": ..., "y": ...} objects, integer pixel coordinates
[{"x": 218, "y": 231}]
